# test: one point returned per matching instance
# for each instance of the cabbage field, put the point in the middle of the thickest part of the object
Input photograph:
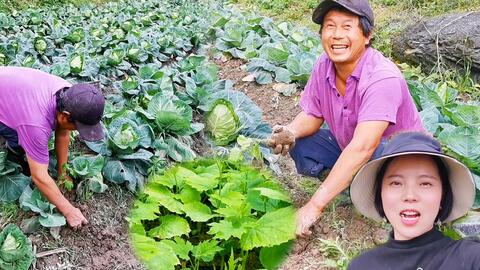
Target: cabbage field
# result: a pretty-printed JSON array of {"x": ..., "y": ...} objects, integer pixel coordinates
[{"x": 181, "y": 138}]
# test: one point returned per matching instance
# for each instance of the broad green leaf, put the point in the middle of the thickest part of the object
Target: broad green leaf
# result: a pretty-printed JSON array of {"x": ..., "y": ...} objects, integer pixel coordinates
[
  {"x": 431, "y": 118},
  {"x": 160, "y": 194},
  {"x": 238, "y": 210},
  {"x": 206, "y": 74},
  {"x": 262, "y": 203},
  {"x": 225, "y": 229},
  {"x": 263, "y": 77},
  {"x": 34, "y": 201},
  {"x": 119, "y": 172},
  {"x": 181, "y": 247},
  {"x": 146, "y": 72},
  {"x": 136, "y": 227},
  {"x": 464, "y": 115},
  {"x": 271, "y": 229},
  {"x": 170, "y": 226},
  {"x": 229, "y": 198},
  {"x": 167, "y": 179},
  {"x": 52, "y": 220},
  {"x": 197, "y": 211},
  {"x": 464, "y": 142},
  {"x": 274, "y": 53},
  {"x": 189, "y": 195},
  {"x": 273, "y": 194},
  {"x": 144, "y": 211},
  {"x": 171, "y": 116},
  {"x": 273, "y": 257},
  {"x": 176, "y": 149},
  {"x": 155, "y": 255},
  {"x": 12, "y": 186},
  {"x": 206, "y": 250},
  {"x": 198, "y": 182},
  {"x": 88, "y": 166},
  {"x": 282, "y": 75}
]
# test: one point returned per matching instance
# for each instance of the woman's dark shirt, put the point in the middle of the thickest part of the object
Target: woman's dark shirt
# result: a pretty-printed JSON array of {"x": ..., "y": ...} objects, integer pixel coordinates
[{"x": 430, "y": 251}]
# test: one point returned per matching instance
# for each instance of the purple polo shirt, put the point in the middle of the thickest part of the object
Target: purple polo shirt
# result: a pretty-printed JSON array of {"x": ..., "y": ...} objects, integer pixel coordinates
[
  {"x": 376, "y": 91},
  {"x": 28, "y": 105}
]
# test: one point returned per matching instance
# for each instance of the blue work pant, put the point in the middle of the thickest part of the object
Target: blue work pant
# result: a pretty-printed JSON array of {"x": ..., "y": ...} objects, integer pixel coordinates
[{"x": 319, "y": 151}]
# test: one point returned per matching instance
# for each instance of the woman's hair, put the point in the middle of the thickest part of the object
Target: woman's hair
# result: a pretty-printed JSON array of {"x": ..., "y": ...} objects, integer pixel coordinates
[
  {"x": 446, "y": 203},
  {"x": 365, "y": 25}
]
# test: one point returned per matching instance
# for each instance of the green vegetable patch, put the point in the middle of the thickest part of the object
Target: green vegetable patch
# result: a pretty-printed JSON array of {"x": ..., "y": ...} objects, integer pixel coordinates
[
  {"x": 15, "y": 249},
  {"x": 212, "y": 214}
]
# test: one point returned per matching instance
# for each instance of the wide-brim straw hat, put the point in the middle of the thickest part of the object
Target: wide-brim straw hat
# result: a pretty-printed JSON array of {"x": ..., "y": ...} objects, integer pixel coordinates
[{"x": 461, "y": 179}]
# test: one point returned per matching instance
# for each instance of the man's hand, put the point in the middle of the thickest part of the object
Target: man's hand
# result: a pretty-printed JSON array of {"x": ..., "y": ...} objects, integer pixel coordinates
[
  {"x": 49, "y": 189},
  {"x": 282, "y": 140},
  {"x": 306, "y": 216},
  {"x": 75, "y": 218}
]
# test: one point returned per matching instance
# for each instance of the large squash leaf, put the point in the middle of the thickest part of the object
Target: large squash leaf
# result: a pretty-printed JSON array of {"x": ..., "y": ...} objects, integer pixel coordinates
[{"x": 271, "y": 229}]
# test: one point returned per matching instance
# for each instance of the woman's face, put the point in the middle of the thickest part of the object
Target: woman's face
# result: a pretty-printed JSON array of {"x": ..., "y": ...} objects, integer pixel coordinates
[{"x": 411, "y": 195}]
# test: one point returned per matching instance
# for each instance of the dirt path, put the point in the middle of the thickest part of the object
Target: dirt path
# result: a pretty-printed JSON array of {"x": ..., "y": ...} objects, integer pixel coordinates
[
  {"x": 342, "y": 228},
  {"x": 103, "y": 244}
]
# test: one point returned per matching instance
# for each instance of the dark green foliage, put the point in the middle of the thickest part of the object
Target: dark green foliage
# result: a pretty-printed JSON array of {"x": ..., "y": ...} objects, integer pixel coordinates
[{"x": 200, "y": 213}]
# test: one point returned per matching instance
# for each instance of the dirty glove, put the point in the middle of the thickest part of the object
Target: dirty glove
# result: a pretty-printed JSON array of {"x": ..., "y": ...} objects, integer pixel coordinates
[{"x": 282, "y": 140}]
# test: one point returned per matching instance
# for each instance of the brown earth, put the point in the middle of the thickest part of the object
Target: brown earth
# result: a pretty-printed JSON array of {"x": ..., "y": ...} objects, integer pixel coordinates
[{"x": 102, "y": 244}]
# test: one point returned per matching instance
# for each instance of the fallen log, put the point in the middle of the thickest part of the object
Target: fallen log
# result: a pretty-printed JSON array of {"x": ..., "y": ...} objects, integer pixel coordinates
[{"x": 451, "y": 41}]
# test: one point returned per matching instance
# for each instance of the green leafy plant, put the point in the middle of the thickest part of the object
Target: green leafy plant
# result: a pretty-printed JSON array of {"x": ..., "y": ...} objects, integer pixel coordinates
[
  {"x": 15, "y": 249},
  {"x": 89, "y": 170},
  {"x": 33, "y": 200},
  {"x": 222, "y": 122},
  {"x": 12, "y": 182},
  {"x": 128, "y": 137},
  {"x": 200, "y": 213}
]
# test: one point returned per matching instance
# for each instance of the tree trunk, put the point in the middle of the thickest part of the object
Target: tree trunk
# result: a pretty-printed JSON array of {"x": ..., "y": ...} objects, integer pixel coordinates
[{"x": 451, "y": 41}]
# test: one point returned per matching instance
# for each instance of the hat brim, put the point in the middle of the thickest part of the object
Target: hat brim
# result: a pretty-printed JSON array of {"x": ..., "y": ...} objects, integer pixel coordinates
[
  {"x": 90, "y": 133},
  {"x": 324, "y": 7},
  {"x": 461, "y": 180}
]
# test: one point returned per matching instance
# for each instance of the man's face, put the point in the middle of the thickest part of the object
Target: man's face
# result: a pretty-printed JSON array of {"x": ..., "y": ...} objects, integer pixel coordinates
[{"x": 342, "y": 37}]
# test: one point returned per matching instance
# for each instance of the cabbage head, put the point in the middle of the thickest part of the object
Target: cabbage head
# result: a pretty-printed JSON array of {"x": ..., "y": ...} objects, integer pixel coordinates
[
  {"x": 15, "y": 249},
  {"x": 222, "y": 123}
]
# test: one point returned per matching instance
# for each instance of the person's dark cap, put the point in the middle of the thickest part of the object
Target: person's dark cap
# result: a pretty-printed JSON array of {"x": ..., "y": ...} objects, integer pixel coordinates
[
  {"x": 85, "y": 103},
  {"x": 360, "y": 7}
]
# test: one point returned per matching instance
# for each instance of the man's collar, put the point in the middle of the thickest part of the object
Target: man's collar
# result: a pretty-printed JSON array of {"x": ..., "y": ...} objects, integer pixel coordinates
[
  {"x": 358, "y": 68},
  {"x": 331, "y": 73}
]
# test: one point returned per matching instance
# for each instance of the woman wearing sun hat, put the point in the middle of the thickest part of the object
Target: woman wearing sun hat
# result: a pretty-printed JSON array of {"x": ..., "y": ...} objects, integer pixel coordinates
[{"x": 413, "y": 185}]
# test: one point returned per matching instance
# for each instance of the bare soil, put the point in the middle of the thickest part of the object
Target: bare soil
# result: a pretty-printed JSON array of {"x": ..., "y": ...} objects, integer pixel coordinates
[{"x": 102, "y": 244}]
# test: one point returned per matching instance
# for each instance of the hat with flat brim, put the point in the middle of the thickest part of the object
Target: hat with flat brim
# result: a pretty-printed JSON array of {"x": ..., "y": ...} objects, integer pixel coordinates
[
  {"x": 461, "y": 180},
  {"x": 90, "y": 132}
]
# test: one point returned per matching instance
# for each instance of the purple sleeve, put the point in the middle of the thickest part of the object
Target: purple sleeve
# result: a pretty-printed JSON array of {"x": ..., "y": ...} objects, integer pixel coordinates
[
  {"x": 381, "y": 101},
  {"x": 309, "y": 101},
  {"x": 34, "y": 141}
]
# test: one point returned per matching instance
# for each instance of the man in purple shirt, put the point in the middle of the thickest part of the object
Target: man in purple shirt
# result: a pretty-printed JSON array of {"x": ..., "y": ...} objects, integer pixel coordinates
[
  {"x": 33, "y": 104},
  {"x": 360, "y": 94}
]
